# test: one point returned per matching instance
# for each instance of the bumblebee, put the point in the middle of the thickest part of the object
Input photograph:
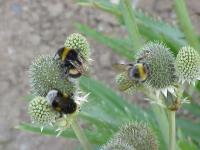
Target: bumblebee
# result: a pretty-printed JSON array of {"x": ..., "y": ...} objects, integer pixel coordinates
[
  {"x": 137, "y": 72},
  {"x": 62, "y": 103},
  {"x": 71, "y": 61}
]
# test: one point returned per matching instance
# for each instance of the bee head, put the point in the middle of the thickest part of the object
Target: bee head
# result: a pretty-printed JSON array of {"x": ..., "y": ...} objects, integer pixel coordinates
[
  {"x": 138, "y": 72},
  {"x": 59, "y": 53},
  {"x": 134, "y": 72}
]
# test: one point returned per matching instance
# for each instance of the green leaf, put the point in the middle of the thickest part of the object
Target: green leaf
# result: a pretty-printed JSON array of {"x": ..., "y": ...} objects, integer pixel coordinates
[
  {"x": 109, "y": 101},
  {"x": 122, "y": 47},
  {"x": 189, "y": 128},
  {"x": 68, "y": 133},
  {"x": 118, "y": 111},
  {"x": 194, "y": 108},
  {"x": 148, "y": 26},
  {"x": 131, "y": 25},
  {"x": 187, "y": 145},
  {"x": 185, "y": 23}
]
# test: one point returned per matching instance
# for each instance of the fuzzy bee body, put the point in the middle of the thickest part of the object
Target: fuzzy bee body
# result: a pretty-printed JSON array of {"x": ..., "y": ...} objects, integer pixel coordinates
[
  {"x": 71, "y": 61},
  {"x": 64, "y": 104},
  {"x": 131, "y": 75},
  {"x": 137, "y": 72}
]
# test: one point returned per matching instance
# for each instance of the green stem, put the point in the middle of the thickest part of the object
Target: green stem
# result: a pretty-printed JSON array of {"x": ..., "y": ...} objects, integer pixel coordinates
[
  {"x": 172, "y": 130},
  {"x": 80, "y": 135},
  {"x": 185, "y": 23},
  {"x": 130, "y": 22}
]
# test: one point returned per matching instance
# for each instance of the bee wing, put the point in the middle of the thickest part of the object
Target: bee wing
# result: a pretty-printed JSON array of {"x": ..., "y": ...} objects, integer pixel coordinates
[
  {"x": 124, "y": 88},
  {"x": 80, "y": 68},
  {"x": 121, "y": 67}
]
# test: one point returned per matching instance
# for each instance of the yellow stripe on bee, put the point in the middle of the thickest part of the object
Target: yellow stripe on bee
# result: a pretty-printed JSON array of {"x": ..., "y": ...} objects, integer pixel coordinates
[
  {"x": 65, "y": 95},
  {"x": 65, "y": 52},
  {"x": 141, "y": 71}
]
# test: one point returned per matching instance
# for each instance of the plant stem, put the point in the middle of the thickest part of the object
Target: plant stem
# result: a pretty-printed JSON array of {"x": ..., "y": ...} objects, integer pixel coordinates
[
  {"x": 80, "y": 135},
  {"x": 172, "y": 130}
]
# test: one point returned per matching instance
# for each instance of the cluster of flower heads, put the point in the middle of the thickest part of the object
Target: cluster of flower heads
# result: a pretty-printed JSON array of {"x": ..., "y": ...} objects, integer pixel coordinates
[
  {"x": 164, "y": 71},
  {"x": 46, "y": 74},
  {"x": 133, "y": 136}
]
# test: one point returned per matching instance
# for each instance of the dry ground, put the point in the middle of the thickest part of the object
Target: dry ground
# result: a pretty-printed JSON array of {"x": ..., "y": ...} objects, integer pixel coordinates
[{"x": 29, "y": 28}]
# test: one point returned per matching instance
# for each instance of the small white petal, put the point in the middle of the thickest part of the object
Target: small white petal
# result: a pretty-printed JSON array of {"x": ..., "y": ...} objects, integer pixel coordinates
[
  {"x": 172, "y": 91},
  {"x": 59, "y": 133},
  {"x": 164, "y": 91},
  {"x": 182, "y": 81},
  {"x": 147, "y": 99},
  {"x": 193, "y": 83},
  {"x": 158, "y": 94},
  {"x": 41, "y": 129}
]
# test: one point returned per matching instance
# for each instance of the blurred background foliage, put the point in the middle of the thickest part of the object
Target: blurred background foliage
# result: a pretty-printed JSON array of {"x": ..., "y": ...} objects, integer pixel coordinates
[{"x": 106, "y": 111}]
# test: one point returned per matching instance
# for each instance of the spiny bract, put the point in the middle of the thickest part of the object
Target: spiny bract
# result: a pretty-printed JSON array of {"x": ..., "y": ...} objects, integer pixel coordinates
[
  {"x": 46, "y": 74},
  {"x": 188, "y": 64},
  {"x": 117, "y": 145},
  {"x": 161, "y": 65},
  {"x": 40, "y": 111}
]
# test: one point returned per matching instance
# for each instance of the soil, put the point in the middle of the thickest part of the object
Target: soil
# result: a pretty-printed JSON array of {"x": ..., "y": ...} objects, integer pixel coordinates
[{"x": 29, "y": 28}]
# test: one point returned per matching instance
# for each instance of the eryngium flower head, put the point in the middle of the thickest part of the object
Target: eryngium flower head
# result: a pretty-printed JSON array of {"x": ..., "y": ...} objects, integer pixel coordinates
[
  {"x": 125, "y": 84},
  {"x": 46, "y": 74},
  {"x": 40, "y": 111},
  {"x": 188, "y": 64},
  {"x": 137, "y": 135},
  {"x": 161, "y": 65},
  {"x": 117, "y": 145},
  {"x": 77, "y": 41}
]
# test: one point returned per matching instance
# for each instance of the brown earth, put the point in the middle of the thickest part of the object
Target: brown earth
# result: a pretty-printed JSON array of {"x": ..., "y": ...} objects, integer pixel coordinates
[{"x": 30, "y": 28}]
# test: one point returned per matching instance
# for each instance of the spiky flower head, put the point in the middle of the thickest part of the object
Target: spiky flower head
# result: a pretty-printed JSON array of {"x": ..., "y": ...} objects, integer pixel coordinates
[
  {"x": 137, "y": 135},
  {"x": 125, "y": 84},
  {"x": 161, "y": 65},
  {"x": 41, "y": 113},
  {"x": 46, "y": 74},
  {"x": 117, "y": 145},
  {"x": 188, "y": 64},
  {"x": 78, "y": 41}
]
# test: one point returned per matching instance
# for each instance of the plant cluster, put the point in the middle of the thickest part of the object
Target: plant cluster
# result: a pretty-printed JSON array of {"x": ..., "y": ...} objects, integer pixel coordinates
[{"x": 164, "y": 61}]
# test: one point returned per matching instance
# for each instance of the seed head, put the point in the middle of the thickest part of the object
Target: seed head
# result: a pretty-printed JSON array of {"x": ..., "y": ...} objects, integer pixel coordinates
[
  {"x": 137, "y": 135},
  {"x": 40, "y": 112},
  {"x": 117, "y": 145},
  {"x": 46, "y": 74},
  {"x": 188, "y": 64},
  {"x": 161, "y": 65}
]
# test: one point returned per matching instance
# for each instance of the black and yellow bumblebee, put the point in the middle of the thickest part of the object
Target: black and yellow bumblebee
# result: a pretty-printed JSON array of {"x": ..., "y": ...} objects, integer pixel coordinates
[
  {"x": 136, "y": 73},
  {"x": 71, "y": 61},
  {"x": 61, "y": 103}
]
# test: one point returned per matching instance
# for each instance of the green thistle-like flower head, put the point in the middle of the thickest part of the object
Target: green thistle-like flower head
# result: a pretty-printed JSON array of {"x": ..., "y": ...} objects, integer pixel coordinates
[
  {"x": 117, "y": 145},
  {"x": 46, "y": 74},
  {"x": 188, "y": 64},
  {"x": 77, "y": 41},
  {"x": 161, "y": 65},
  {"x": 40, "y": 112},
  {"x": 137, "y": 135},
  {"x": 125, "y": 84}
]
